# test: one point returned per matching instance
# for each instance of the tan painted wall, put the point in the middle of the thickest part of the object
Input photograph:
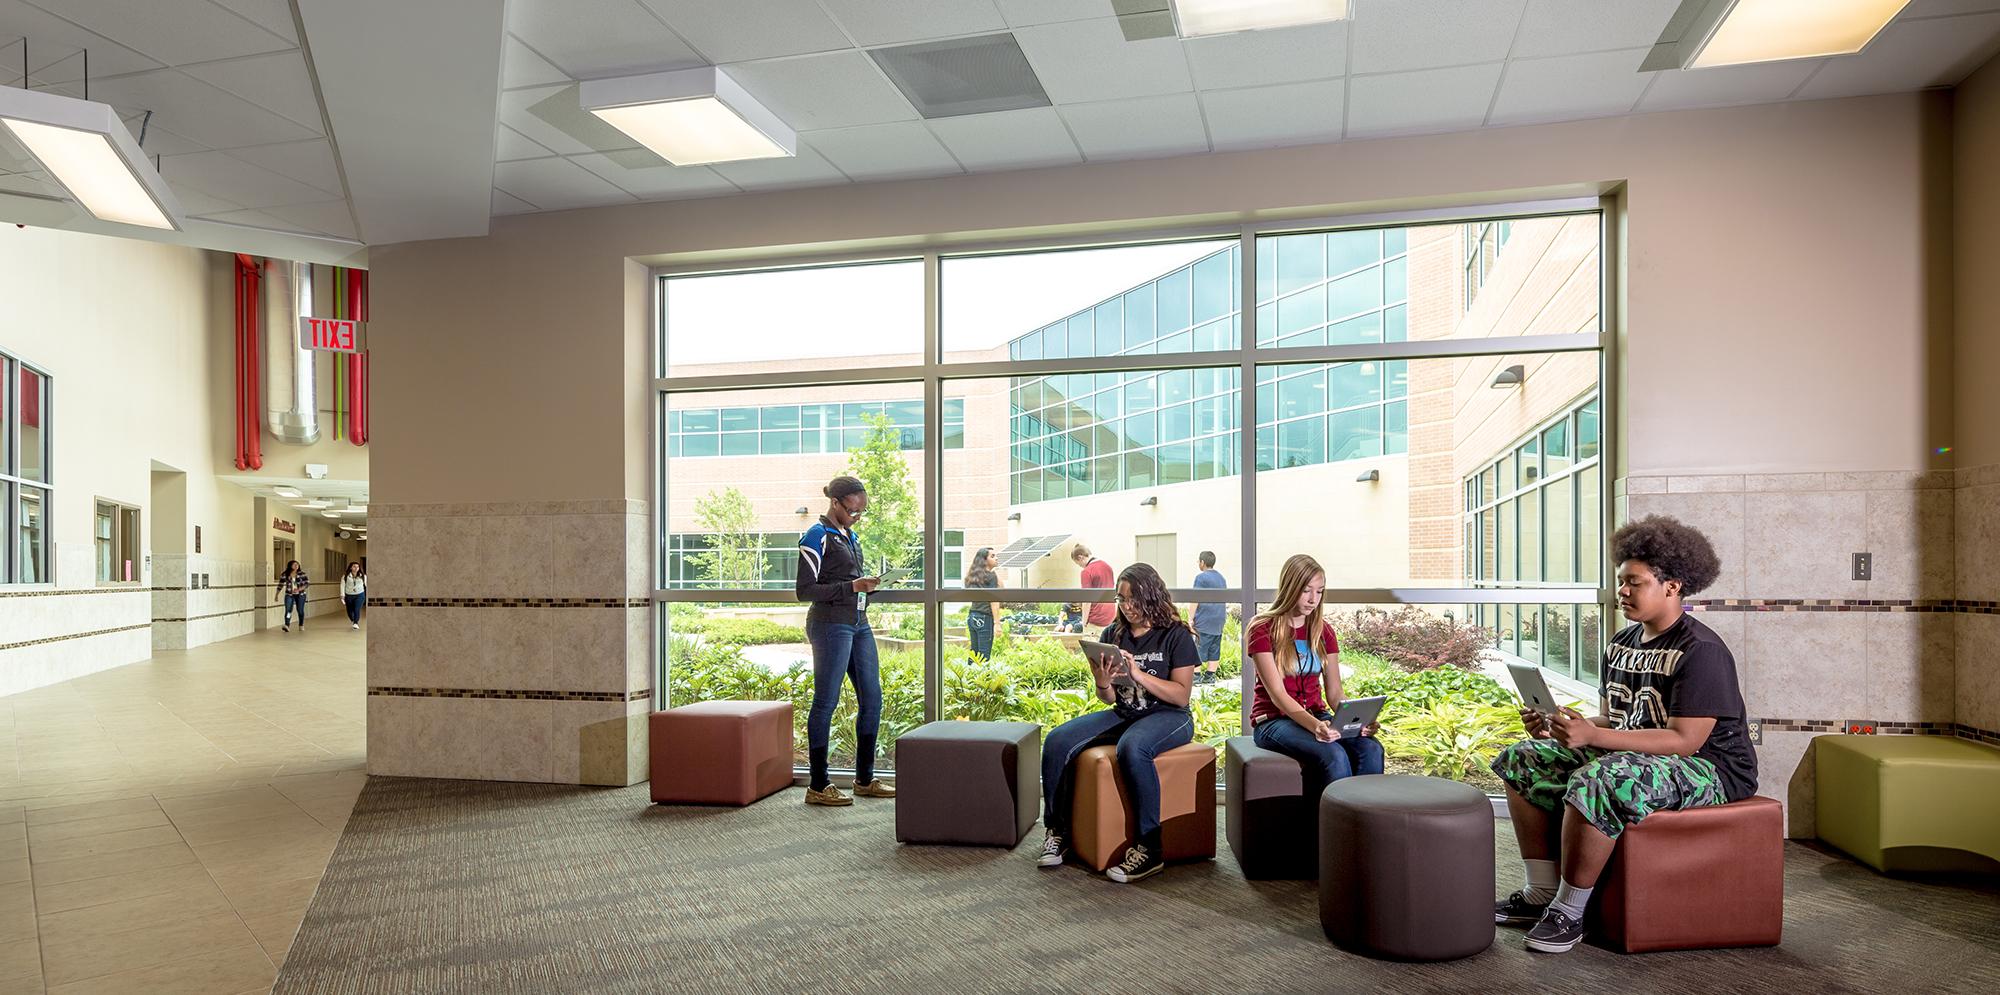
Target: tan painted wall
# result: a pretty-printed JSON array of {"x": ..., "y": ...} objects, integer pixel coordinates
[
  {"x": 1976, "y": 257},
  {"x": 508, "y": 346}
]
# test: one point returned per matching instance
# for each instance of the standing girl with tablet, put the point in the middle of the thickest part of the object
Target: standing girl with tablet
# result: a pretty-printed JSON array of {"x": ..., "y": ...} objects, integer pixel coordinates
[
  {"x": 843, "y": 646},
  {"x": 1298, "y": 678},
  {"x": 1147, "y": 689}
]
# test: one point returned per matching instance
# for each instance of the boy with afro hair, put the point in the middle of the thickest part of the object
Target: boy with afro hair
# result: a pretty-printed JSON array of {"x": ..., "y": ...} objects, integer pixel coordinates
[{"x": 1670, "y": 734}]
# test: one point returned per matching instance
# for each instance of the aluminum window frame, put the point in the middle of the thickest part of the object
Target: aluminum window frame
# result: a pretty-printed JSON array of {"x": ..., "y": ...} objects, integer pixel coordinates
[{"x": 13, "y": 484}]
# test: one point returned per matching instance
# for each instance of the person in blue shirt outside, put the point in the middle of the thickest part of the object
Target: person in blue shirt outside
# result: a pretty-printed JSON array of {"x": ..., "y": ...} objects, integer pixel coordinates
[
  {"x": 832, "y": 581},
  {"x": 1209, "y": 619}
]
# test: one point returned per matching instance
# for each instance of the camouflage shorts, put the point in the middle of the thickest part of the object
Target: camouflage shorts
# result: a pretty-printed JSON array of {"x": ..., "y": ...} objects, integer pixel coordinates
[{"x": 1612, "y": 790}]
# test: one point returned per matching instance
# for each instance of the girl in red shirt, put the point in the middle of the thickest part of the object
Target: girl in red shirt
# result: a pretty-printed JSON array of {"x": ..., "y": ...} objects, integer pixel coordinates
[{"x": 1298, "y": 677}]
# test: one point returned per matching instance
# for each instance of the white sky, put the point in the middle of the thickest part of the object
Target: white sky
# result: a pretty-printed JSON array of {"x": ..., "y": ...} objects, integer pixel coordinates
[{"x": 878, "y": 309}]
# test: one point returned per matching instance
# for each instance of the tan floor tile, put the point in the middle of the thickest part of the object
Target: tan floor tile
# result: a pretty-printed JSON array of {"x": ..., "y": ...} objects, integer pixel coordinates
[
  {"x": 96, "y": 954},
  {"x": 13, "y": 849},
  {"x": 90, "y": 846},
  {"x": 200, "y": 899},
  {"x": 20, "y": 965},
  {"x": 124, "y": 862},
  {"x": 201, "y": 831},
  {"x": 232, "y": 797},
  {"x": 10, "y": 814},
  {"x": 236, "y": 968},
  {"x": 13, "y": 831},
  {"x": 17, "y": 869},
  {"x": 17, "y": 911},
  {"x": 112, "y": 791},
  {"x": 92, "y": 810},
  {"x": 276, "y": 933},
  {"x": 51, "y": 898},
  {"x": 267, "y": 898},
  {"x": 78, "y": 828}
]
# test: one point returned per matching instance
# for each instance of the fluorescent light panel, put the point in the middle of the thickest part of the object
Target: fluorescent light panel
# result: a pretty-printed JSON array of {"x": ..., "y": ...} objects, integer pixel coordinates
[
  {"x": 1194, "y": 18},
  {"x": 86, "y": 148},
  {"x": 286, "y": 492},
  {"x": 690, "y": 117},
  {"x": 1707, "y": 33}
]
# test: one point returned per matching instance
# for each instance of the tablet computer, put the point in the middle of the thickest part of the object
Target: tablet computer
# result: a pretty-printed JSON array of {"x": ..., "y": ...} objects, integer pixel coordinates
[
  {"x": 896, "y": 575},
  {"x": 1105, "y": 655},
  {"x": 1533, "y": 687},
  {"x": 1356, "y": 713}
]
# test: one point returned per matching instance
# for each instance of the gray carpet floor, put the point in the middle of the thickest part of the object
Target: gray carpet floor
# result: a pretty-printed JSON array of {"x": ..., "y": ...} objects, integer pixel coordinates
[{"x": 462, "y": 886}]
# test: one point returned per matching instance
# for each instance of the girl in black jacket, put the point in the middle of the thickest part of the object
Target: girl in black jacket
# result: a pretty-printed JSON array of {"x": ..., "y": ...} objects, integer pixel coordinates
[{"x": 831, "y": 579}]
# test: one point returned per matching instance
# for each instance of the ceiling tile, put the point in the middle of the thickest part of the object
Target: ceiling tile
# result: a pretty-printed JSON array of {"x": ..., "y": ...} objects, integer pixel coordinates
[
  {"x": 159, "y": 141},
  {"x": 1910, "y": 56},
  {"x": 509, "y": 145},
  {"x": 1018, "y": 139},
  {"x": 274, "y": 16},
  {"x": 1761, "y": 83},
  {"x": 252, "y": 219},
  {"x": 220, "y": 175},
  {"x": 815, "y": 92},
  {"x": 1137, "y": 128},
  {"x": 175, "y": 32},
  {"x": 1428, "y": 100},
  {"x": 886, "y": 22},
  {"x": 1259, "y": 58},
  {"x": 194, "y": 202},
  {"x": 742, "y": 30},
  {"x": 551, "y": 116},
  {"x": 1288, "y": 114},
  {"x": 1021, "y": 13},
  {"x": 1421, "y": 34},
  {"x": 32, "y": 184},
  {"x": 1570, "y": 87},
  {"x": 1085, "y": 61},
  {"x": 53, "y": 54},
  {"x": 278, "y": 83},
  {"x": 310, "y": 163},
  {"x": 329, "y": 217},
  {"x": 1935, "y": 8},
  {"x": 556, "y": 184},
  {"x": 884, "y": 151},
  {"x": 13, "y": 157},
  {"x": 806, "y": 169},
  {"x": 1569, "y": 27},
  {"x": 506, "y": 203},
  {"x": 586, "y": 38},
  {"x": 188, "y": 107},
  {"x": 655, "y": 180},
  {"x": 520, "y": 66}
]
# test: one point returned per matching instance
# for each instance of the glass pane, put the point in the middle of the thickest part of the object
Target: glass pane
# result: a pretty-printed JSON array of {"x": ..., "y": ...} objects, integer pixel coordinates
[
  {"x": 1081, "y": 340},
  {"x": 1109, "y": 321},
  {"x": 1214, "y": 276},
  {"x": 1347, "y": 251},
  {"x": 1504, "y": 554},
  {"x": 32, "y": 556},
  {"x": 1531, "y": 535},
  {"x": 1561, "y": 539},
  {"x": 789, "y": 319},
  {"x": 739, "y": 419},
  {"x": 1590, "y": 644},
  {"x": 6, "y": 454},
  {"x": 1301, "y": 261},
  {"x": 1586, "y": 431},
  {"x": 32, "y": 425},
  {"x": 1355, "y": 434},
  {"x": 1176, "y": 306},
  {"x": 1589, "y": 543},
  {"x": 1555, "y": 448}
]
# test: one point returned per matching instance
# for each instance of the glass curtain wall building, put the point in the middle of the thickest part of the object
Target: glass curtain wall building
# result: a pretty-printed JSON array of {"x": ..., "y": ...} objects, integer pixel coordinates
[{"x": 1402, "y": 377}]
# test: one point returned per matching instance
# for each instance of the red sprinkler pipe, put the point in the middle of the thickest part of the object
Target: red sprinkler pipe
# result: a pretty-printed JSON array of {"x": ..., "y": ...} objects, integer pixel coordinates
[
  {"x": 358, "y": 385},
  {"x": 253, "y": 414},
  {"x": 237, "y": 398}
]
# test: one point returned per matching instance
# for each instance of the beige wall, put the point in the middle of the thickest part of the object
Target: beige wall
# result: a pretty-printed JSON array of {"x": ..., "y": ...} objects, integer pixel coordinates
[{"x": 1976, "y": 260}]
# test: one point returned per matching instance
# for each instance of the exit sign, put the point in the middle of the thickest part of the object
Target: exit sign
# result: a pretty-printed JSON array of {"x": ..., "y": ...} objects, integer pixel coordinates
[{"x": 333, "y": 334}]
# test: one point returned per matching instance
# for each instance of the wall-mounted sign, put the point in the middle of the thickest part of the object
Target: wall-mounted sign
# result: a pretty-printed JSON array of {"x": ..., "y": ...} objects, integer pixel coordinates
[
  {"x": 284, "y": 526},
  {"x": 333, "y": 334}
]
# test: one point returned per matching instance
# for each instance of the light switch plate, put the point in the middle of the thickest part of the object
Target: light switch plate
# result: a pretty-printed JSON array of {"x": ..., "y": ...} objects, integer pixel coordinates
[{"x": 1864, "y": 566}]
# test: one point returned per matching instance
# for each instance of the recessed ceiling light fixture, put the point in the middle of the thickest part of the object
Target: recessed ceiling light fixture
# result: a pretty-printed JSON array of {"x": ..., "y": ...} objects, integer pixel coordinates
[
  {"x": 1194, "y": 18},
  {"x": 1706, "y": 33},
  {"x": 286, "y": 492},
  {"x": 86, "y": 148},
  {"x": 690, "y": 116}
]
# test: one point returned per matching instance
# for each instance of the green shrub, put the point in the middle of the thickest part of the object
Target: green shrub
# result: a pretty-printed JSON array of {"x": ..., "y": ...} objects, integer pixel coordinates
[
  {"x": 1413, "y": 638},
  {"x": 750, "y": 632},
  {"x": 1218, "y": 715},
  {"x": 1453, "y": 738}
]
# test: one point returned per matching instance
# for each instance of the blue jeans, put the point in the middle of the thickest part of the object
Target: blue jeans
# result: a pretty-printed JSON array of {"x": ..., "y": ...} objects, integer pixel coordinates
[
  {"x": 843, "y": 652},
  {"x": 980, "y": 629},
  {"x": 1320, "y": 764},
  {"x": 297, "y": 601},
  {"x": 356, "y": 602},
  {"x": 1139, "y": 741}
]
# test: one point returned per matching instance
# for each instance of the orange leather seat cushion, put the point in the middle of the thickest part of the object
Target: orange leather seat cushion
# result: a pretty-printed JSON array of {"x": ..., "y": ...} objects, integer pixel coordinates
[
  {"x": 1697, "y": 878},
  {"x": 721, "y": 752},
  {"x": 1103, "y": 825}
]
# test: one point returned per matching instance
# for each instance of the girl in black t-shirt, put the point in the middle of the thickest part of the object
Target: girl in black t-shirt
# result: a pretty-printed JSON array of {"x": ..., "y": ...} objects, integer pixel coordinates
[
  {"x": 1148, "y": 691},
  {"x": 983, "y": 574}
]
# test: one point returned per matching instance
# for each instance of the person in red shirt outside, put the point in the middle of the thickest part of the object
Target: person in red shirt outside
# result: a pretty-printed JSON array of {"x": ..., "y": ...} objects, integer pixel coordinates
[
  {"x": 1096, "y": 573},
  {"x": 1298, "y": 677}
]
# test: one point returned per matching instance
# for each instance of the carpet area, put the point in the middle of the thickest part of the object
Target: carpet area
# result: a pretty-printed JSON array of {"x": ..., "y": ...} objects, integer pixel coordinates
[{"x": 465, "y": 886}]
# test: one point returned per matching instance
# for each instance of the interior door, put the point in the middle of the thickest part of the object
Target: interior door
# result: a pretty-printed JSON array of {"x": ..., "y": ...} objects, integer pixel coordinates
[{"x": 1163, "y": 552}]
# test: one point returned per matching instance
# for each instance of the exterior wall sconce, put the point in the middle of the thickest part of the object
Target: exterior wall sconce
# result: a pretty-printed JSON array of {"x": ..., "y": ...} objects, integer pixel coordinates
[
  {"x": 1151, "y": 502},
  {"x": 1512, "y": 376},
  {"x": 1368, "y": 477},
  {"x": 1015, "y": 517},
  {"x": 802, "y": 510}
]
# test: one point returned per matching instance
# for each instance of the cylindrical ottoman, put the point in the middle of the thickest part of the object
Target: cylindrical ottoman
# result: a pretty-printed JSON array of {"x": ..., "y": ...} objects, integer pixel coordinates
[
  {"x": 975, "y": 783},
  {"x": 1406, "y": 867}
]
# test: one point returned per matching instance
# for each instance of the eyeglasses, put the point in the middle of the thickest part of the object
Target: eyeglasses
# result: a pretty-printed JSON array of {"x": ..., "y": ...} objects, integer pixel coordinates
[{"x": 852, "y": 511}]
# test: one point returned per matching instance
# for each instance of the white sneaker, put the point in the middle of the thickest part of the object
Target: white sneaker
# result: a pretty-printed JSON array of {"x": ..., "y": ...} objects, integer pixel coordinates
[
  {"x": 356, "y": 626},
  {"x": 1054, "y": 848}
]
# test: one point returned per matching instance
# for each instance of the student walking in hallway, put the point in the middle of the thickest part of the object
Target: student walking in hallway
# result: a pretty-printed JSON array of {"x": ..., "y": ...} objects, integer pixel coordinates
[
  {"x": 292, "y": 587},
  {"x": 354, "y": 592}
]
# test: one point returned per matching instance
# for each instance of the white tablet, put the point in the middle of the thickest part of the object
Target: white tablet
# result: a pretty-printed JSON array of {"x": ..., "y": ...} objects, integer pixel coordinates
[
  {"x": 1534, "y": 689},
  {"x": 1356, "y": 713}
]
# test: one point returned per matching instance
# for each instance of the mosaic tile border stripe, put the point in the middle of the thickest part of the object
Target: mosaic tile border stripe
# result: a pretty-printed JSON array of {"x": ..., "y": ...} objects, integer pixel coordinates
[
  {"x": 73, "y": 635},
  {"x": 1940, "y": 607},
  {"x": 220, "y": 587},
  {"x": 1890, "y": 728},
  {"x": 197, "y": 618},
  {"x": 509, "y": 602},
  {"x": 526, "y": 695},
  {"x": 68, "y": 591}
]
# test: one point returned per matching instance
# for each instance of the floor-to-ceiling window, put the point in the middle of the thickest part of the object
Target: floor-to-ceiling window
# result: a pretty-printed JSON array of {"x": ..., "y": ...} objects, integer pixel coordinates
[
  {"x": 1012, "y": 406},
  {"x": 24, "y": 473}
]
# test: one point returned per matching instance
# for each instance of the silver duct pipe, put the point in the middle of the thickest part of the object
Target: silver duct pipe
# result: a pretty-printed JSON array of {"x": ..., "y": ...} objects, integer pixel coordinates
[{"x": 291, "y": 395}]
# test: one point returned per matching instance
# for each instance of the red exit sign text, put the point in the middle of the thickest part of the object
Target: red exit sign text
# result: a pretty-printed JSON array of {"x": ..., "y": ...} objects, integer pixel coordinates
[{"x": 333, "y": 334}]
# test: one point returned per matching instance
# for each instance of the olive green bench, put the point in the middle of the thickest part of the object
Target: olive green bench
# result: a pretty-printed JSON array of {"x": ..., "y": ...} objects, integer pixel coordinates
[{"x": 1905, "y": 803}]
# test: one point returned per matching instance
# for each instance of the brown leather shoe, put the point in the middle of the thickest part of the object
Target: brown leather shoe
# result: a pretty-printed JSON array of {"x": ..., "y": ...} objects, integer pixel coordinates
[{"x": 877, "y": 788}]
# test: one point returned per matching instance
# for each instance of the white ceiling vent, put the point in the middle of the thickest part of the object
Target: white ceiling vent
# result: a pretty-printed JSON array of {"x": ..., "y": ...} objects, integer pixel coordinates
[{"x": 963, "y": 75}]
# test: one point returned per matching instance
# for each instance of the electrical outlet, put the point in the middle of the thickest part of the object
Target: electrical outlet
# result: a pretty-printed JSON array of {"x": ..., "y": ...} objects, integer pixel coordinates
[
  {"x": 1756, "y": 732},
  {"x": 1860, "y": 727},
  {"x": 1864, "y": 566}
]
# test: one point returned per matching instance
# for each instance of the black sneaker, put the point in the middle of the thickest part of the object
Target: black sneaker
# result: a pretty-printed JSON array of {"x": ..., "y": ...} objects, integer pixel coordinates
[
  {"x": 1054, "y": 849},
  {"x": 1518, "y": 911},
  {"x": 1556, "y": 933},
  {"x": 1140, "y": 862}
]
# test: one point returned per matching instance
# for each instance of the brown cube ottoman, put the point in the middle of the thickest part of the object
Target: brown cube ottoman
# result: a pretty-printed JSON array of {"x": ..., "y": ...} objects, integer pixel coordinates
[
  {"x": 1103, "y": 826},
  {"x": 721, "y": 752},
  {"x": 1271, "y": 824},
  {"x": 1697, "y": 878},
  {"x": 974, "y": 783},
  {"x": 1406, "y": 867}
]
